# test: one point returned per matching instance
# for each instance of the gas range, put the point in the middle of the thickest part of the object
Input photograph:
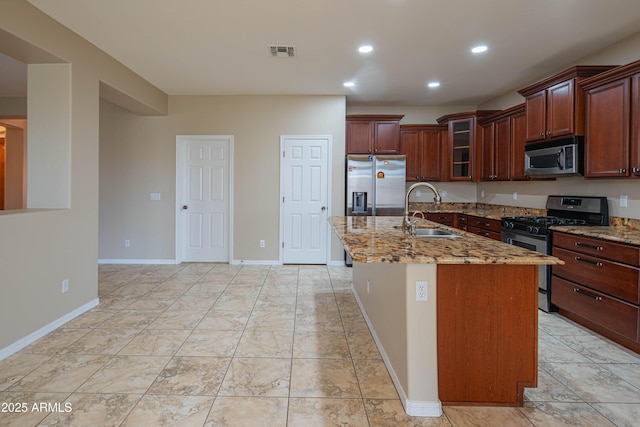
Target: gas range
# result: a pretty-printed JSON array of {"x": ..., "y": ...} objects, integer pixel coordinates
[
  {"x": 534, "y": 233},
  {"x": 538, "y": 225},
  {"x": 562, "y": 210}
]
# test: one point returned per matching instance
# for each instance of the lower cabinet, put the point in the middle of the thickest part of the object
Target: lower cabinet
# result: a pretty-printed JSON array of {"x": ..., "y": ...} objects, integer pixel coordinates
[
  {"x": 444, "y": 218},
  {"x": 484, "y": 227},
  {"x": 598, "y": 286}
]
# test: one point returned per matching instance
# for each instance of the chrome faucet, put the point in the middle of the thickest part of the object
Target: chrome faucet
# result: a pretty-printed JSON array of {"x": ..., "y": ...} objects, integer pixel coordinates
[{"x": 406, "y": 223}]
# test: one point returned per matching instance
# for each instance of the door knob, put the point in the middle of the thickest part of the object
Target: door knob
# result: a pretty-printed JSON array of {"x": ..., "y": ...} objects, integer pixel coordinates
[
  {"x": 185, "y": 207},
  {"x": 323, "y": 208}
]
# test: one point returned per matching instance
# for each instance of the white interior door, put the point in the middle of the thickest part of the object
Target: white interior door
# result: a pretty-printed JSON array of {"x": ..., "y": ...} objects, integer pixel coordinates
[
  {"x": 305, "y": 195},
  {"x": 203, "y": 198}
]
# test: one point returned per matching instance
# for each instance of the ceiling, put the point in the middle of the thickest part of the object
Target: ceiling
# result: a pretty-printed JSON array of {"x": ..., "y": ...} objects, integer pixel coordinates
[{"x": 214, "y": 47}]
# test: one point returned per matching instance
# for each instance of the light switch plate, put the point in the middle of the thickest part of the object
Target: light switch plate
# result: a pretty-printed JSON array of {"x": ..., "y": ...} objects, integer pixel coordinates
[
  {"x": 154, "y": 196},
  {"x": 623, "y": 201}
]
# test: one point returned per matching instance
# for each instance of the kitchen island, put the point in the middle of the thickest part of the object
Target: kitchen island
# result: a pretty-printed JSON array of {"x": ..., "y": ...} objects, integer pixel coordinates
[{"x": 455, "y": 319}]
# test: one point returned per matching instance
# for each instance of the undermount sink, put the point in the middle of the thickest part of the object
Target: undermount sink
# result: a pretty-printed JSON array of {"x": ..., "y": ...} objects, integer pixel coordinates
[{"x": 435, "y": 232}]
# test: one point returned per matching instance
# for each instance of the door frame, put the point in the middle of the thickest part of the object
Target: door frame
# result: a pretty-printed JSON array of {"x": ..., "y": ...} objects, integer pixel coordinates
[
  {"x": 329, "y": 164},
  {"x": 179, "y": 219}
]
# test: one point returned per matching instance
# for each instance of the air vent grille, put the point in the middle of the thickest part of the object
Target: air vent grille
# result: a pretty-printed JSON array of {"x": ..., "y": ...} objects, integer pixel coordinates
[{"x": 282, "y": 51}]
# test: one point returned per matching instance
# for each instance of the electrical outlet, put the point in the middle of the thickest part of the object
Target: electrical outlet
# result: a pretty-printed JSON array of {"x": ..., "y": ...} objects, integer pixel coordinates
[
  {"x": 422, "y": 292},
  {"x": 482, "y": 194},
  {"x": 623, "y": 201},
  {"x": 515, "y": 195},
  {"x": 368, "y": 286},
  {"x": 65, "y": 286},
  {"x": 262, "y": 244},
  {"x": 418, "y": 193},
  {"x": 443, "y": 193},
  {"x": 127, "y": 243}
]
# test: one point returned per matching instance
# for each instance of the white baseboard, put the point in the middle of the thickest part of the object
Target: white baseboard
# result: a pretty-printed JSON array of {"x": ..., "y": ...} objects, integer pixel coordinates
[
  {"x": 412, "y": 408},
  {"x": 34, "y": 336},
  {"x": 336, "y": 263},
  {"x": 138, "y": 261},
  {"x": 254, "y": 262}
]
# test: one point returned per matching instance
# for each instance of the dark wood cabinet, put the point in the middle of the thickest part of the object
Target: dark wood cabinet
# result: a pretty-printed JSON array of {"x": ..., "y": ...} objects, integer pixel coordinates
[
  {"x": 462, "y": 221},
  {"x": 502, "y": 145},
  {"x": 518, "y": 132},
  {"x": 444, "y": 218},
  {"x": 555, "y": 106},
  {"x": 598, "y": 286},
  {"x": 373, "y": 134},
  {"x": 424, "y": 147},
  {"x": 485, "y": 227},
  {"x": 612, "y": 111},
  {"x": 462, "y": 150}
]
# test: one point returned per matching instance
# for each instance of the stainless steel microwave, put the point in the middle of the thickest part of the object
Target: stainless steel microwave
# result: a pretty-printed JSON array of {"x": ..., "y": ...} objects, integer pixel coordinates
[{"x": 560, "y": 157}]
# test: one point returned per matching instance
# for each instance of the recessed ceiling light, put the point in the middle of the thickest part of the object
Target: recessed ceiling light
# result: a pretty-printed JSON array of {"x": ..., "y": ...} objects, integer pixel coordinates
[
  {"x": 479, "y": 49},
  {"x": 348, "y": 84},
  {"x": 433, "y": 84},
  {"x": 365, "y": 49}
]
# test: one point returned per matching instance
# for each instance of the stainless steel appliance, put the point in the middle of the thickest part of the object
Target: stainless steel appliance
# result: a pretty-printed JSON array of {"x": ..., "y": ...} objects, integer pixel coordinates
[
  {"x": 375, "y": 185},
  {"x": 534, "y": 232},
  {"x": 554, "y": 158}
]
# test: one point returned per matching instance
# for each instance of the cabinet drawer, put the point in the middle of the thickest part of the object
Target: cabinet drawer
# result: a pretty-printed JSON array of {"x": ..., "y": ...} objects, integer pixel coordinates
[
  {"x": 483, "y": 232},
  {"x": 441, "y": 218},
  {"x": 600, "y": 248},
  {"x": 611, "y": 313},
  {"x": 609, "y": 277},
  {"x": 487, "y": 224}
]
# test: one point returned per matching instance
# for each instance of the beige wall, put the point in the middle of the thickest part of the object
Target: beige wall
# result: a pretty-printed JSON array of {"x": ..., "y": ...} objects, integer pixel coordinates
[
  {"x": 40, "y": 248},
  {"x": 138, "y": 155}
]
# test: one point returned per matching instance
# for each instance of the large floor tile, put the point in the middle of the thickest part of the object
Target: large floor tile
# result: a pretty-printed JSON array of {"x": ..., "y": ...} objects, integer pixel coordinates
[
  {"x": 195, "y": 376},
  {"x": 324, "y": 378},
  {"x": 248, "y": 412},
  {"x": 93, "y": 410},
  {"x": 311, "y": 412},
  {"x": 125, "y": 374},
  {"x": 257, "y": 377},
  {"x": 169, "y": 411}
]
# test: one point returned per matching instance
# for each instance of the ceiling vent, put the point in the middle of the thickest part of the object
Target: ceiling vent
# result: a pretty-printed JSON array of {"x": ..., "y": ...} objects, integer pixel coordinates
[{"x": 282, "y": 51}]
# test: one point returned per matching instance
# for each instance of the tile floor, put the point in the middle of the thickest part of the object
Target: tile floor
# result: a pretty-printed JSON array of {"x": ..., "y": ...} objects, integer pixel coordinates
[{"x": 221, "y": 345}]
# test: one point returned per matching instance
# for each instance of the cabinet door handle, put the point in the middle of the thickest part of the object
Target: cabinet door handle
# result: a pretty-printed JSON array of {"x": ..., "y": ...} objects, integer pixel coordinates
[
  {"x": 622, "y": 170},
  {"x": 635, "y": 170},
  {"x": 586, "y": 261},
  {"x": 542, "y": 134},
  {"x": 587, "y": 294},
  {"x": 594, "y": 247},
  {"x": 548, "y": 132}
]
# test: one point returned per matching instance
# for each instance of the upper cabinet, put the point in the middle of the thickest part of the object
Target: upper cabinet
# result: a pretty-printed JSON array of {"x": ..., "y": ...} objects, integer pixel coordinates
[
  {"x": 373, "y": 134},
  {"x": 555, "y": 106},
  {"x": 424, "y": 146},
  {"x": 612, "y": 130},
  {"x": 501, "y": 152},
  {"x": 461, "y": 145}
]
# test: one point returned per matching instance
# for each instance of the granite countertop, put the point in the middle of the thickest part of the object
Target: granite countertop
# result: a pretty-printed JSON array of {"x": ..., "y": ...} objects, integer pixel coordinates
[
  {"x": 628, "y": 235},
  {"x": 379, "y": 240},
  {"x": 621, "y": 230}
]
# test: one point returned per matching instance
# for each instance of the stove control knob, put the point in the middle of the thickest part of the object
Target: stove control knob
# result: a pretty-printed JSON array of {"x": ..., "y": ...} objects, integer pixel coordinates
[
  {"x": 530, "y": 229},
  {"x": 536, "y": 230}
]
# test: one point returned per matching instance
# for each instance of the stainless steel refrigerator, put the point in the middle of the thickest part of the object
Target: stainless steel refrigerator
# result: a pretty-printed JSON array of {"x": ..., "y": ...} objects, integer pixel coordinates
[{"x": 375, "y": 185}]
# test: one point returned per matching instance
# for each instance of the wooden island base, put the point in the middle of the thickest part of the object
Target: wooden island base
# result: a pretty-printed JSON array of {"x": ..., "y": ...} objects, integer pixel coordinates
[
  {"x": 473, "y": 342},
  {"x": 487, "y": 333}
]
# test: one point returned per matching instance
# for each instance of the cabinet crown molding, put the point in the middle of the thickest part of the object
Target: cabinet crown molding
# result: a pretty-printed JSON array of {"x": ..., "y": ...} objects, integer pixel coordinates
[
  {"x": 581, "y": 71},
  {"x": 465, "y": 115},
  {"x": 375, "y": 116},
  {"x": 612, "y": 75}
]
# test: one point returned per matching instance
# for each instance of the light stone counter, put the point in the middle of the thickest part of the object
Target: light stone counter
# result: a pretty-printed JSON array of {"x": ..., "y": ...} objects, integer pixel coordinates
[{"x": 379, "y": 240}]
